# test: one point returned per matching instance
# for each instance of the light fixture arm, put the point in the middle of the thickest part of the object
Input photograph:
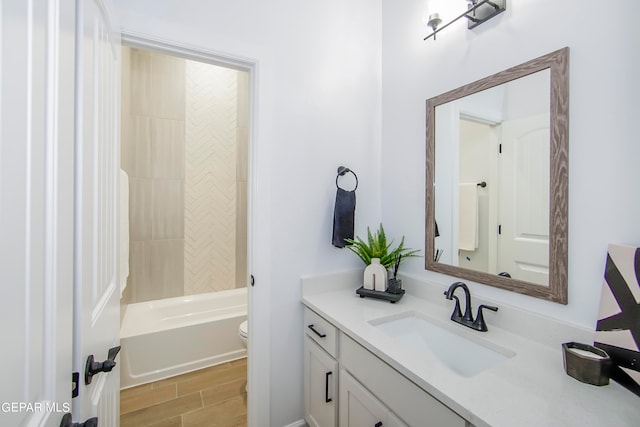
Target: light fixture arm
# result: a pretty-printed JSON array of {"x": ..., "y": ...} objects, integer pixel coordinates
[{"x": 495, "y": 8}]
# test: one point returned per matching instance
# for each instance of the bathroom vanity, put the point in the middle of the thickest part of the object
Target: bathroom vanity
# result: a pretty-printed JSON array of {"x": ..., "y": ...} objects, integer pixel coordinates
[
  {"x": 369, "y": 390},
  {"x": 371, "y": 363}
]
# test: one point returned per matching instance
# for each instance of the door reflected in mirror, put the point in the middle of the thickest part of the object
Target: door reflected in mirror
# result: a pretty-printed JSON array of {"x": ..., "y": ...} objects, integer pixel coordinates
[
  {"x": 497, "y": 179},
  {"x": 493, "y": 212}
]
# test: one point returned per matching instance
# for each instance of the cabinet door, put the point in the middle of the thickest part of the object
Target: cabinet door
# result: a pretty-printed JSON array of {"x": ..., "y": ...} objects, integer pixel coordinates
[
  {"x": 320, "y": 386},
  {"x": 359, "y": 408}
]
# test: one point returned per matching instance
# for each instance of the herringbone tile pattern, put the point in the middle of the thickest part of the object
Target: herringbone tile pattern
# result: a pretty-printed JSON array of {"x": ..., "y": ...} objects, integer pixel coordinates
[{"x": 210, "y": 178}]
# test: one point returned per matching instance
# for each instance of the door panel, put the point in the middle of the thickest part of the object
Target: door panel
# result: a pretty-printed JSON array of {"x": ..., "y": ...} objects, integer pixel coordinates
[
  {"x": 96, "y": 288},
  {"x": 524, "y": 199},
  {"x": 358, "y": 407},
  {"x": 321, "y": 371},
  {"x": 36, "y": 209}
]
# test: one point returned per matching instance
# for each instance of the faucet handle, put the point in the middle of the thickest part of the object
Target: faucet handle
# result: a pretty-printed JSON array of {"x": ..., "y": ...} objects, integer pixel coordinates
[
  {"x": 457, "y": 313},
  {"x": 479, "y": 323}
]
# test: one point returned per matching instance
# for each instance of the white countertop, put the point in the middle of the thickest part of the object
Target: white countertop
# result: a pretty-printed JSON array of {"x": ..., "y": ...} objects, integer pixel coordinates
[{"x": 528, "y": 389}]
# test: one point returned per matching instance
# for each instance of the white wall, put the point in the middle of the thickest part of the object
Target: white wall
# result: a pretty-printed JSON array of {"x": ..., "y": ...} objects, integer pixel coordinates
[
  {"x": 318, "y": 108},
  {"x": 604, "y": 201}
]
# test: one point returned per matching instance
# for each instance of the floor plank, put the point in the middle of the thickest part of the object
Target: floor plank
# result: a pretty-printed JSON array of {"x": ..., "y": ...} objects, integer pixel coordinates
[{"x": 210, "y": 397}]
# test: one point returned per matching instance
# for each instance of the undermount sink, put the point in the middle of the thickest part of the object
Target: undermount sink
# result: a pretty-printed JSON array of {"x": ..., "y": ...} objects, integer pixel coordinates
[{"x": 464, "y": 354}]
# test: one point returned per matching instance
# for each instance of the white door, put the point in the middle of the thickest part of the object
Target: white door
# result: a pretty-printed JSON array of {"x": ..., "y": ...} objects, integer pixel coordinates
[
  {"x": 36, "y": 210},
  {"x": 96, "y": 288},
  {"x": 523, "y": 209}
]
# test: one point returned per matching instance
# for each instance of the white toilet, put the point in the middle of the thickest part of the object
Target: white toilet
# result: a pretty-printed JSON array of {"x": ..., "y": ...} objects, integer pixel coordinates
[{"x": 242, "y": 331}]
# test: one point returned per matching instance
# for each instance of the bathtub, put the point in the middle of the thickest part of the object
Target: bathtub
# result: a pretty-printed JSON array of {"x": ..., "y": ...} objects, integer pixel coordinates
[{"x": 173, "y": 336}]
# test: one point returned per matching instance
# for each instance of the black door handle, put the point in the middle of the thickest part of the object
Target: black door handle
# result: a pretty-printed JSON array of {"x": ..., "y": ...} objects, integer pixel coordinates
[
  {"x": 92, "y": 367},
  {"x": 67, "y": 421}
]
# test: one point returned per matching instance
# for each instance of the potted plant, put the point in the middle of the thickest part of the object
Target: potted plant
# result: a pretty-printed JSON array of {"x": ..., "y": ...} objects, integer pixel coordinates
[{"x": 377, "y": 246}]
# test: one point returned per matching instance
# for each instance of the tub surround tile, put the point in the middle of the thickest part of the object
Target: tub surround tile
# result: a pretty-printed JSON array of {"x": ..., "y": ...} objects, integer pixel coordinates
[
  {"x": 140, "y": 82},
  {"x": 167, "y": 148},
  {"x": 241, "y": 236},
  {"x": 167, "y": 88},
  {"x": 141, "y": 147},
  {"x": 166, "y": 273},
  {"x": 167, "y": 213},
  {"x": 156, "y": 85},
  {"x": 243, "y": 98},
  {"x": 242, "y": 147},
  {"x": 127, "y": 147},
  {"x": 139, "y": 272},
  {"x": 210, "y": 178},
  {"x": 140, "y": 190},
  {"x": 184, "y": 146},
  {"x": 156, "y": 269}
]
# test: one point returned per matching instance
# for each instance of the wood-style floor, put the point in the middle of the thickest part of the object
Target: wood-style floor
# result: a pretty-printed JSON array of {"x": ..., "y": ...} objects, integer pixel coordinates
[{"x": 211, "y": 397}]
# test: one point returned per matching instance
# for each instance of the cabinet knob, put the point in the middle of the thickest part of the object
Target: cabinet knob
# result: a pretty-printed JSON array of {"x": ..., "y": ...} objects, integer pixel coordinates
[{"x": 378, "y": 424}]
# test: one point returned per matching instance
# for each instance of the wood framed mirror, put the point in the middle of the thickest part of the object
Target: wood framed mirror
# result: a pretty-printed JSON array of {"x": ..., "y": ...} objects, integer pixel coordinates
[{"x": 497, "y": 179}]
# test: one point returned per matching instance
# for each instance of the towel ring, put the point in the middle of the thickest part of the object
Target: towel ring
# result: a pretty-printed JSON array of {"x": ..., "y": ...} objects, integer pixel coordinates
[{"x": 341, "y": 172}]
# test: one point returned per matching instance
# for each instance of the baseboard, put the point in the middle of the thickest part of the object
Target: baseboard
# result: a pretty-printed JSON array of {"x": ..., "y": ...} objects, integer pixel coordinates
[{"x": 299, "y": 423}]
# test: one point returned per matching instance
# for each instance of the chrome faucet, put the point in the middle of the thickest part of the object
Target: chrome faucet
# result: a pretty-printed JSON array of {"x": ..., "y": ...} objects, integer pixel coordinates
[{"x": 467, "y": 319}]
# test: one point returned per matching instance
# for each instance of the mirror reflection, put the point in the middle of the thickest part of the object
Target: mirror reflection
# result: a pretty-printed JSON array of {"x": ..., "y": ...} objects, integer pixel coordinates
[
  {"x": 497, "y": 179},
  {"x": 492, "y": 203}
]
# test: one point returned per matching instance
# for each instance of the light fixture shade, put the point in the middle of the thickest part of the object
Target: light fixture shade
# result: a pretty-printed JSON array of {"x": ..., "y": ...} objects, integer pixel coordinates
[{"x": 434, "y": 21}]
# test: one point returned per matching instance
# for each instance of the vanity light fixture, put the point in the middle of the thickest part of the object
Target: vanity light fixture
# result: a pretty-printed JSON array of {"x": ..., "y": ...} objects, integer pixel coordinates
[
  {"x": 434, "y": 21},
  {"x": 478, "y": 12}
]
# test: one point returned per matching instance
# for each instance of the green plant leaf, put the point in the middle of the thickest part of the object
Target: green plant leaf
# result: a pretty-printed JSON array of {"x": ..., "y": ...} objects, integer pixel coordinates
[{"x": 377, "y": 246}]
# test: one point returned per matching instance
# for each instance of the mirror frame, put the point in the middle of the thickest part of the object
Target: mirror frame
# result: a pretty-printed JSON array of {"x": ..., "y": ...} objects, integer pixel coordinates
[{"x": 558, "y": 63}]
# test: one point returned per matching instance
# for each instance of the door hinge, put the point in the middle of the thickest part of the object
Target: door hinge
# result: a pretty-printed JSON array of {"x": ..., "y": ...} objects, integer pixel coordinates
[{"x": 75, "y": 384}]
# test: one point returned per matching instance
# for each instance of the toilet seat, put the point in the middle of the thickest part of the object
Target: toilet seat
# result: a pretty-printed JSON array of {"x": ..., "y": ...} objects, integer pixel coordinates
[{"x": 243, "y": 329}]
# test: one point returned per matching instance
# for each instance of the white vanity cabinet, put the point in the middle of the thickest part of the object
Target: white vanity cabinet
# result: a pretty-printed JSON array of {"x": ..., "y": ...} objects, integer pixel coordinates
[
  {"x": 320, "y": 372},
  {"x": 406, "y": 400},
  {"x": 358, "y": 407},
  {"x": 367, "y": 392}
]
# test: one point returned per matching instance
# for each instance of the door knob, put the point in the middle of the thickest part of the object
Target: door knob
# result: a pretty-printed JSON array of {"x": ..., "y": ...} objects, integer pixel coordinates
[
  {"x": 67, "y": 421},
  {"x": 93, "y": 367}
]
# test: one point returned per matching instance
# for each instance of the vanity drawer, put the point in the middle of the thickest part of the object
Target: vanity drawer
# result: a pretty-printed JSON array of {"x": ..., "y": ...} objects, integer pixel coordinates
[
  {"x": 321, "y": 331},
  {"x": 412, "y": 404}
]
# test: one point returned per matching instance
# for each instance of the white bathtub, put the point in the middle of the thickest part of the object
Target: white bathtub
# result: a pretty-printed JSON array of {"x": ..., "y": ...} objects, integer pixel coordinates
[{"x": 173, "y": 336}]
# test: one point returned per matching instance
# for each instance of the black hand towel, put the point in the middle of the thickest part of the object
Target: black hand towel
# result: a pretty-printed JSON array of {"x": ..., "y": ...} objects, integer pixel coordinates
[{"x": 343, "y": 215}]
